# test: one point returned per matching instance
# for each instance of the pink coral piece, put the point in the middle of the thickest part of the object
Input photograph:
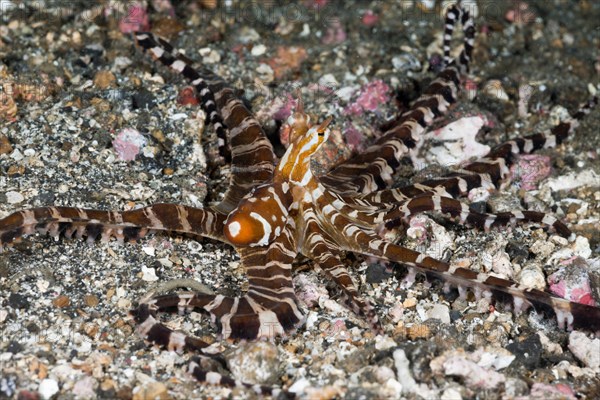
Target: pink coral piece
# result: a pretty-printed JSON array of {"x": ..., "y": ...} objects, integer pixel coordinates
[
  {"x": 288, "y": 59},
  {"x": 335, "y": 33},
  {"x": 541, "y": 390},
  {"x": 315, "y": 3},
  {"x": 371, "y": 95},
  {"x": 308, "y": 290},
  {"x": 187, "y": 96},
  {"x": 354, "y": 137},
  {"x": 136, "y": 19},
  {"x": 571, "y": 285},
  {"x": 286, "y": 108},
  {"x": 521, "y": 14},
  {"x": 369, "y": 18},
  {"x": 128, "y": 144},
  {"x": 559, "y": 288},
  {"x": 530, "y": 169},
  {"x": 476, "y": 376}
]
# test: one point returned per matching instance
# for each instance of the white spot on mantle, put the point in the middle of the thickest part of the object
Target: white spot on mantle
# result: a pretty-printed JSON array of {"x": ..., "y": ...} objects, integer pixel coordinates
[{"x": 234, "y": 228}]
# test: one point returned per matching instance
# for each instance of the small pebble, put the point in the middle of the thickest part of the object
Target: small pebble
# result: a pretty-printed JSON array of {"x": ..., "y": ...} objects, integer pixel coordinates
[
  {"x": 258, "y": 50},
  {"x": 91, "y": 330},
  {"x": 265, "y": 73},
  {"x": 149, "y": 250},
  {"x": 383, "y": 374},
  {"x": 392, "y": 389},
  {"x": 18, "y": 301},
  {"x": 5, "y": 146},
  {"x": 335, "y": 33},
  {"x": 501, "y": 264},
  {"x": 124, "y": 303},
  {"x": 210, "y": 4},
  {"x": 528, "y": 352},
  {"x": 149, "y": 274},
  {"x": 151, "y": 391},
  {"x": 559, "y": 240},
  {"x": 167, "y": 27},
  {"x": 396, "y": 312},
  {"x": 514, "y": 387},
  {"x": 48, "y": 388},
  {"x": 300, "y": 386},
  {"x": 418, "y": 331},
  {"x": 122, "y": 62},
  {"x": 451, "y": 394},
  {"x": 247, "y": 35},
  {"x": 585, "y": 349},
  {"x": 104, "y": 79},
  {"x": 409, "y": 302},
  {"x": 90, "y": 300},
  {"x": 16, "y": 155},
  {"x": 475, "y": 376},
  {"x": 542, "y": 248},
  {"x": 107, "y": 385},
  {"x": 187, "y": 96},
  {"x": 61, "y": 301},
  {"x": 439, "y": 311},
  {"x": 406, "y": 62},
  {"x": 255, "y": 362},
  {"x": 574, "y": 180},
  {"x": 403, "y": 371},
  {"x": 581, "y": 247},
  {"x": 209, "y": 56},
  {"x": 532, "y": 277},
  {"x": 14, "y": 197},
  {"x": 495, "y": 89},
  {"x": 16, "y": 170},
  {"x": 84, "y": 388},
  {"x": 384, "y": 343},
  {"x": 548, "y": 345},
  {"x": 376, "y": 273}
]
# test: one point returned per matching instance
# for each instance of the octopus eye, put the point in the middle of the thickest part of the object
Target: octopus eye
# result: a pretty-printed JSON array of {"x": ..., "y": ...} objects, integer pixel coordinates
[{"x": 321, "y": 129}]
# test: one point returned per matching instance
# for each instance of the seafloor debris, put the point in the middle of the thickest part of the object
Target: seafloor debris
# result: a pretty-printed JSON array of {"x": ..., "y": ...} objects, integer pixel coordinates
[{"x": 93, "y": 353}]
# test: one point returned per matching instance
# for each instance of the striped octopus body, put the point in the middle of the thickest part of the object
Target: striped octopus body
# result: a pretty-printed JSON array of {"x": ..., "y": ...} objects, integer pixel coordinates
[
  {"x": 272, "y": 212},
  {"x": 262, "y": 214}
]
